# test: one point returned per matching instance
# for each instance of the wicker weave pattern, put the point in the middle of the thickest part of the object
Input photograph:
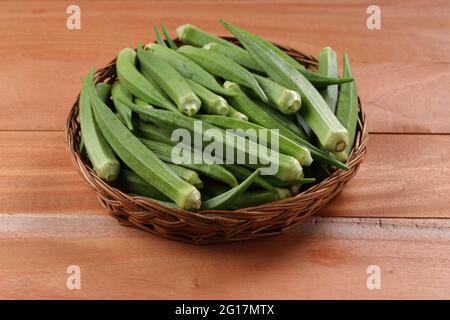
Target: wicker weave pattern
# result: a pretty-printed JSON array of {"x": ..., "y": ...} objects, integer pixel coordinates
[{"x": 214, "y": 225}]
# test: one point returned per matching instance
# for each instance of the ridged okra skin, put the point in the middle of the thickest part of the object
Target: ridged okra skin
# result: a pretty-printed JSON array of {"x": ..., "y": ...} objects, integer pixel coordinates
[
  {"x": 284, "y": 100},
  {"x": 236, "y": 54},
  {"x": 328, "y": 67},
  {"x": 213, "y": 171},
  {"x": 140, "y": 159},
  {"x": 211, "y": 102},
  {"x": 170, "y": 81},
  {"x": 285, "y": 145},
  {"x": 99, "y": 152},
  {"x": 258, "y": 116},
  {"x": 258, "y": 197},
  {"x": 331, "y": 134},
  {"x": 192, "y": 35},
  {"x": 288, "y": 167},
  {"x": 347, "y": 110},
  {"x": 226, "y": 199},
  {"x": 130, "y": 77},
  {"x": 117, "y": 91},
  {"x": 188, "y": 68},
  {"x": 223, "y": 67},
  {"x": 233, "y": 113}
]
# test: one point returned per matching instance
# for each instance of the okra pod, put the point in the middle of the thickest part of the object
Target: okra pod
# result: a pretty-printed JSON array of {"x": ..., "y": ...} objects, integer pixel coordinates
[
  {"x": 233, "y": 113},
  {"x": 137, "y": 84},
  {"x": 131, "y": 183},
  {"x": 99, "y": 152},
  {"x": 330, "y": 132},
  {"x": 328, "y": 67},
  {"x": 223, "y": 67},
  {"x": 288, "y": 167},
  {"x": 125, "y": 113},
  {"x": 347, "y": 110},
  {"x": 187, "y": 175},
  {"x": 258, "y": 197},
  {"x": 169, "y": 80},
  {"x": 211, "y": 102},
  {"x": 243, "y": 173},
  {"x": 140, "y": 159},
  {"x": 188, "y": 68},
  {"x": 226, "y": 199},
  {"x": 285, "y": 145},
  {"x": 236, "y": 54},
  {"x": 284, "y": 100},
  {"x": 213, "y": 171}
]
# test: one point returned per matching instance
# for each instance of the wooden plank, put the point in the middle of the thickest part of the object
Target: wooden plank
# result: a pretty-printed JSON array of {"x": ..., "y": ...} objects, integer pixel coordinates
[
  {"x": 402, "y": 176},
  {"x": 37, "y": 175},
  {"x": 402, "y": 70},
  {"x": 325, "y": 258}
]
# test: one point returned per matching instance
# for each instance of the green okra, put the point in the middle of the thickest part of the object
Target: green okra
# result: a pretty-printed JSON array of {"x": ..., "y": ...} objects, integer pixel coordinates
[
  {"x": 223, "y": 67},
  {"x": 330, "y": 132},
  {"x": 259, "y": 197},
  {"x": 347, "y": 110},
  {"x": 233, "y": 113},
  {"x": 226, "y": 199},
  {"x": 284, "y": 100},
  {"x": 139, "y": 158},
  {"x": 117, "y": 90},
  {"x": 137, "y": 84},
  {"x": 188, "y": 68},
  {"x": 170, "y": 81},
  {"x": 285, "y": 145},
  {"x": 328, "y": 67},
  {"x": 235, "y": 53},
  {"x": 213, "y": 171},
  {"x": 99, "y": 152},
  {"x": 211, "y": 102}
]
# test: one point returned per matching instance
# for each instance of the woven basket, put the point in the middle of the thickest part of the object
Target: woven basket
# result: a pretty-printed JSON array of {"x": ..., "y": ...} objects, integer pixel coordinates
[{"x": 214, "y": 225}]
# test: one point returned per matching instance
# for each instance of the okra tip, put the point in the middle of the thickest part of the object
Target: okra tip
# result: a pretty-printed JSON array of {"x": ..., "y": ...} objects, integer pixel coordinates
[
  {"x": 230, "y": 85},
  {"x": 222, "y": 106},
  {"x": 182, "y": 29},
  {"x": 208, "y": 46},
  {"x": 291, "y": 102},
  {"x": 109, "y": 171},
  {"x": 283, "y": 193},
  {"x": 337, "y": 141},
  {"x": 193, "y": 200},
  {"x": 191, "y": 108}
]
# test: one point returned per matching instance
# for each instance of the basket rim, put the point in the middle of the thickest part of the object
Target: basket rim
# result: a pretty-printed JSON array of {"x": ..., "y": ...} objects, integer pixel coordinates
[{"x": 116, "y": 197}]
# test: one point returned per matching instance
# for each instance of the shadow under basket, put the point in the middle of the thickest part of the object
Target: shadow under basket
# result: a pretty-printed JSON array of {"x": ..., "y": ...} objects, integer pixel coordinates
[{"x": 212, "y": 226}]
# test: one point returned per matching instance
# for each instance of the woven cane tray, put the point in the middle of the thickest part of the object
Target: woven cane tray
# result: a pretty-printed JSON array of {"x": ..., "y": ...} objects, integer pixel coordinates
[{"x": 213, "y": 226}]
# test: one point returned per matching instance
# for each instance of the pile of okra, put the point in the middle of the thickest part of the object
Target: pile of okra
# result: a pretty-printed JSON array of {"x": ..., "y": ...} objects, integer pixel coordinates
[{"x": 130, "y": 130}]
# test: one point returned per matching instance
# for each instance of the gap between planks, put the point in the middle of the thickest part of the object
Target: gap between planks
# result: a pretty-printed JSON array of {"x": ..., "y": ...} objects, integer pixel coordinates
[{"x": 25, "y": 225}]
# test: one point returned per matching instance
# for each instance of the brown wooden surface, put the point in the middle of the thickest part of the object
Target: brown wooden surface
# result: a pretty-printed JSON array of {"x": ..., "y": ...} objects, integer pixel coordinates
[
  {"x": 394, "y": 181},
  {"x": 49, "y": 219},
  {"x": 323, "y": 258},
  {"x": 411, "y": 52}
]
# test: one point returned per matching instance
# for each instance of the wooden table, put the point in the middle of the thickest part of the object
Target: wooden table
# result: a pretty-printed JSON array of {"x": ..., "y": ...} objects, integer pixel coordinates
[{"x": 395, "y": 214}]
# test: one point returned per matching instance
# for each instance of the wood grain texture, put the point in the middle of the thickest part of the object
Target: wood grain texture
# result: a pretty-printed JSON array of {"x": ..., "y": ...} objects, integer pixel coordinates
[
  {"x": 324, "y": 258},
  {"x": 402, "y": 70},
  {"x": 402, "y": 176},
  {"x": 36, "y": 175},
  {"x": 50, "y": 219}
]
